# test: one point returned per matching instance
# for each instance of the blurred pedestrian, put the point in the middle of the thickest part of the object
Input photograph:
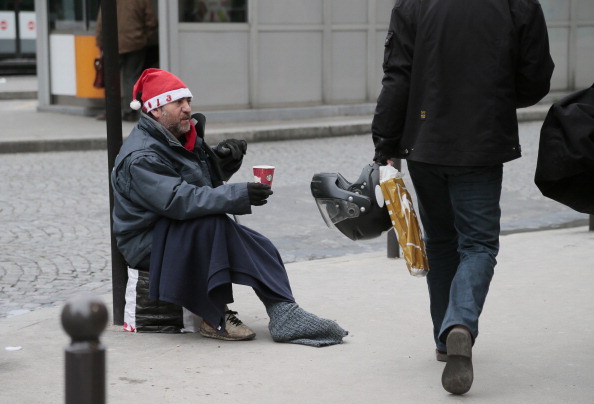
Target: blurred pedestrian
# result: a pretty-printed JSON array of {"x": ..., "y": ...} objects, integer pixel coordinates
[
  {"x": 454, "y": 73},
  {"x": 170, "y": 217},
  {"x": 137, "y": 29}
]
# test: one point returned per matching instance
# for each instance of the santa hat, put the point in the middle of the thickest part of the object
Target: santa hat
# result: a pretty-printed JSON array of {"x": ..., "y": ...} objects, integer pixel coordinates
[{"x": 158, "y": 87}]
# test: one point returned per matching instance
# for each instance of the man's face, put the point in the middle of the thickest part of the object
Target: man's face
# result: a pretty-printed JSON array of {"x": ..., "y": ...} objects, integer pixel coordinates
[{"x": 175, "y": 116}]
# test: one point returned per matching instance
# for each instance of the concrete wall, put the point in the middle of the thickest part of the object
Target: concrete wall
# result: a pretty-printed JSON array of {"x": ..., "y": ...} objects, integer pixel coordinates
[{"x": 290, "y": 53}]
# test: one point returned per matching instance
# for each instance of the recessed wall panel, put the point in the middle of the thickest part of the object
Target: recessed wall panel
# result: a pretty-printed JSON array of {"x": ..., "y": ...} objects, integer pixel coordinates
[
  {"x": 383, "y": 11},
  {"x": 379, "y": 51},
  {"x": 349, "y": 11},
  {"x": 584, "y": 75},
  {"x": 215, "y": 67},
  {"x": 559, "y": 42},
  {"x": 290, "y": 68},
  {"x": 556, "y": 10},
  {"x": 290, "y": 12},
  {"x": 349, "y": 66}
]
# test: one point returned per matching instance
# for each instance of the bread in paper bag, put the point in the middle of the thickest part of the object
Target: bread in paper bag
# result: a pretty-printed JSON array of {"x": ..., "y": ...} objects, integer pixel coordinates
[{"x": 404, "y": 220}]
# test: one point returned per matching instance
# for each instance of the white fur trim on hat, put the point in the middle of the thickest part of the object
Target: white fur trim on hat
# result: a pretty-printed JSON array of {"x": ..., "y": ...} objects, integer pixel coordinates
[{"x": 166, "y": 98}]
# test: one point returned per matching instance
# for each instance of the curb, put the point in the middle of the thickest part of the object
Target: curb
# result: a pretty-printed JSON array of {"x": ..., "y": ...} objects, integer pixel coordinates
[
  {"x": 18, "y": 95},
  {"x": 293, "y": 131}
]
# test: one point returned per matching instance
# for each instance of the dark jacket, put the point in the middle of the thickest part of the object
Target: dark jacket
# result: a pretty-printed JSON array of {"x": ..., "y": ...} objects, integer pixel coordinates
[
  {"x": 137, "y": 25},
  {"x": 565, "y": 166},
  {"x": 454, "y": 73},
  {"x": 154, "y": 176}
]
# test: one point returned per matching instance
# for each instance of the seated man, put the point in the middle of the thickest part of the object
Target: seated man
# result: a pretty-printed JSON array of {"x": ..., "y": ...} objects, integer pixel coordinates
[{"x": 170, "y": 218}]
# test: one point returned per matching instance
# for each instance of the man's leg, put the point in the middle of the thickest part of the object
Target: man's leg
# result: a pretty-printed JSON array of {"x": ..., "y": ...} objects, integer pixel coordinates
[
  {"x": 441, "y": 240},
  {"x": 475, "y": 193},
  {"x": 131, "y": 66}
]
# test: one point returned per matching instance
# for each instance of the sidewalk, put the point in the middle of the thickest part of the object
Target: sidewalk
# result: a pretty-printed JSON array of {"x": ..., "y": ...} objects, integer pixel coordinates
[
  {"x": 536, "y": 332},
  {"x": 535, "y": 344},
  {"x": 53, "y": 131}
]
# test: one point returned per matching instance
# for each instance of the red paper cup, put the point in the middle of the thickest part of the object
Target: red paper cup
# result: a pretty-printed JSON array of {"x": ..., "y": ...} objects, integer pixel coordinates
[{"x": 263, "y": 174}]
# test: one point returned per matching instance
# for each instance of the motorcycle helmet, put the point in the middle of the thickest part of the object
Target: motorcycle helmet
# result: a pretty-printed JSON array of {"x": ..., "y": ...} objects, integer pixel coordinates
[{"x": 356, "y": 209}]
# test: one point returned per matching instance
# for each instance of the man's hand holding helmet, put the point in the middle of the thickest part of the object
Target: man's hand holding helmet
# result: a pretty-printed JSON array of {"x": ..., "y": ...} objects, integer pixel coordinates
[
  {"x": 231, "y": 152},
  {"x": 231, "y": 147}
]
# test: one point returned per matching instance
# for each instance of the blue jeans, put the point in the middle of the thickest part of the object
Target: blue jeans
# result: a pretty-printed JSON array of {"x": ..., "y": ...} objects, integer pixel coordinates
[{"x": 460, "y": 213}]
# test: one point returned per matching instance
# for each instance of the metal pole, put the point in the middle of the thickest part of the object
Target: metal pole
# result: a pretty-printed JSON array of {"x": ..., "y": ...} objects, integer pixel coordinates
[
  {"x": 17, "y": 10},
  {"x": 392, "y": 239},
  {"x": 113, "y": 108},
  {"x": 84, "y": 319}
]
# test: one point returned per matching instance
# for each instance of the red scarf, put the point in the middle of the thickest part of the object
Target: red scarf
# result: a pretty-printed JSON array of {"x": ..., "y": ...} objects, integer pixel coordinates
[{"x": 190, "y": 138}]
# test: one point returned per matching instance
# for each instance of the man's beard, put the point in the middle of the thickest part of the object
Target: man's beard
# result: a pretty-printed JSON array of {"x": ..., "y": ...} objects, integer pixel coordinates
[{"x": 178, "y": 128}]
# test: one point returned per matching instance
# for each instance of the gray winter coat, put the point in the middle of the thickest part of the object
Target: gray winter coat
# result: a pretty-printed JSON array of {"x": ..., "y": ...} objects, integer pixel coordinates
[{"x": 154, "y": 176}]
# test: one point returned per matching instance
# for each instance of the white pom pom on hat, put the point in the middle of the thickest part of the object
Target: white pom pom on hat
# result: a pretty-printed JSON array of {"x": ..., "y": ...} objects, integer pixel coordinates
[
  {"x": 158, "y": 87},
  {"x": 135, "y": 105}
]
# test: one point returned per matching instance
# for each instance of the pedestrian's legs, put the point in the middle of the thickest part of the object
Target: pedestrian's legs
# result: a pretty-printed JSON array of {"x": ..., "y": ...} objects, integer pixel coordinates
[
  {"x": 475, "y": 193},
  {"x": 131, "y": 66},
  {"x": 441, "y": 239}
]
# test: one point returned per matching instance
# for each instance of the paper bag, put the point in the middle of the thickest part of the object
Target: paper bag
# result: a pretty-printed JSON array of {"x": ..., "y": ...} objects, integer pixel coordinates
[{"x": 404, "y": 220}]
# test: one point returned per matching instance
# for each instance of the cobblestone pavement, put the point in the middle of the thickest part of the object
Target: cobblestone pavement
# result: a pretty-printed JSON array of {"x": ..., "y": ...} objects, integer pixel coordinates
[{"x": 54, "y": 210}]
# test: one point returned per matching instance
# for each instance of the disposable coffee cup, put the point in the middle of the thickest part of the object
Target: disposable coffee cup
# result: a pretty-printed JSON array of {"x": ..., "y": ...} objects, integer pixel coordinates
[{"x": 263, "y": 174}]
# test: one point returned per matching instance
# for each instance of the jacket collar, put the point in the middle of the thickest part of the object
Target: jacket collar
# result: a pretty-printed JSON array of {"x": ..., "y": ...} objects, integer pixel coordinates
[{"x": 157, "y": 130}]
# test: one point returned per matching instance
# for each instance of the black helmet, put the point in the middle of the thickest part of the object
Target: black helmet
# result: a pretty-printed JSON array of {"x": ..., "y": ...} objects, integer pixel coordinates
[{"x": 357, "y": 209}]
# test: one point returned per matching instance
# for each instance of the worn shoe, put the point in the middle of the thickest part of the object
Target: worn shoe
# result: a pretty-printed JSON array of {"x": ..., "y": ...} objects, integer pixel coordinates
[
  {"x": 235, "y": 330},
  {"x": 441, "y": 356},
  {"x": 458, "y": 375}
]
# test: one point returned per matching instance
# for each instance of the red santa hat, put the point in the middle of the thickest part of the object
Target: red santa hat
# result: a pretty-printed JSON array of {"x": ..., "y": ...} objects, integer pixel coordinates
[{"x": 158, "y": 87}]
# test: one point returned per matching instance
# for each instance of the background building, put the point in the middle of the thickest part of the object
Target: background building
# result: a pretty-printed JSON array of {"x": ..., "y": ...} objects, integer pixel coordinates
[{"x": 240, "y": 55}]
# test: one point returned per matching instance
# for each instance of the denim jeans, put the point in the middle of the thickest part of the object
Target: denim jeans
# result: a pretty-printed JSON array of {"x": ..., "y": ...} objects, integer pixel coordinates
[{"x": 460, "y": 213}]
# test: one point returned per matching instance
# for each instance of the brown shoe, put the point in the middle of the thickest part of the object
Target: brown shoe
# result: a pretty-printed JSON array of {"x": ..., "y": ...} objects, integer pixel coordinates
[
  {"x": 457, "y": 376},
  {"x": 441, "y": 356},
  {"x": 235, "y": 330}
]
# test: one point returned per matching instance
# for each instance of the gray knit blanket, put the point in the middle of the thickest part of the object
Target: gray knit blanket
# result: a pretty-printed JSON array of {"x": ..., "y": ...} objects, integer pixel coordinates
[{"x": 290, "y": 323}]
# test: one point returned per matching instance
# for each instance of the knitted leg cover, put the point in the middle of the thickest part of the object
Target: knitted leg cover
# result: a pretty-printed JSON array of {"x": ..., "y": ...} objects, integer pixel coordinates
[{"x": 290, "y": 323}]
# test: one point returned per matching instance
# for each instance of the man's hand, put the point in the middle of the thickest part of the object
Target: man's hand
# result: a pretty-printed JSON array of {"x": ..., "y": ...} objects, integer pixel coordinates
[
  {"x": 258, "y": 193},
  {"x": 232, "y": 147}
]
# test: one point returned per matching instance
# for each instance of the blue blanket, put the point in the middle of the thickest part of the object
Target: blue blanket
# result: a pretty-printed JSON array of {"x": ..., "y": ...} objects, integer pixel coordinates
[{"x": 195, "y": 262}]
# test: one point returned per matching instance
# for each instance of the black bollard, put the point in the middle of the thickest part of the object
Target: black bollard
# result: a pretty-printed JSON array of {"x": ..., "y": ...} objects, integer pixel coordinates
[{"x": 84, "y": 319}]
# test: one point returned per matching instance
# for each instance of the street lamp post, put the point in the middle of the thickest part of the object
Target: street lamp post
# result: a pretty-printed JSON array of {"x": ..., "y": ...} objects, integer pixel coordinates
[{"x": 113, "y": 108}]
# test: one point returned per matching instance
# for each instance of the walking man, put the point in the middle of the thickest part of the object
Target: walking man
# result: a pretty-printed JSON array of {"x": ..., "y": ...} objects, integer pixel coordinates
[{"x": 454, "y": 73}]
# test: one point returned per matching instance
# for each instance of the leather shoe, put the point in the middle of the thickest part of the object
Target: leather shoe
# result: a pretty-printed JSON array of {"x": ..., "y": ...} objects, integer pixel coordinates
[{"x": 457, "y": 376}]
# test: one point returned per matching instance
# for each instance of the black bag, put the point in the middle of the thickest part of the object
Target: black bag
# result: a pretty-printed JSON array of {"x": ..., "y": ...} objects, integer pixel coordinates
[
  {"x": 142, "y": 314},
  {"x": 99, "y": 75},
  {"x": 565, "y": 166}
]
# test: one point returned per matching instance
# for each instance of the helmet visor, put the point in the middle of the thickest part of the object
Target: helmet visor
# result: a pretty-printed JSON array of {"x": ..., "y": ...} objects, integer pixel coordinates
[{"x": 336, "y": 210}]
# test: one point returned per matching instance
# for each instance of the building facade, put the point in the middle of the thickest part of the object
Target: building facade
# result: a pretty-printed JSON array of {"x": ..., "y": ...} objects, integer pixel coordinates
[{"x": 259, "y": 54}]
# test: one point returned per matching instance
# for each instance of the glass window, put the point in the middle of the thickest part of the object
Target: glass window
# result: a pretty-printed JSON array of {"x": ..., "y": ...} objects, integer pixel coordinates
[
  {"x": 213, "y": 10},
  {"x": 23, "y": 5},
  {"x": 73, "y": 14}
]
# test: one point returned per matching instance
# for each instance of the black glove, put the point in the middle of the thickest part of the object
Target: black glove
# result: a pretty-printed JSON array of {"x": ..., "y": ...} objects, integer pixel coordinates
[
  {"x": 232, "y": 147},
  {"x": 258, "y": 193}
]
